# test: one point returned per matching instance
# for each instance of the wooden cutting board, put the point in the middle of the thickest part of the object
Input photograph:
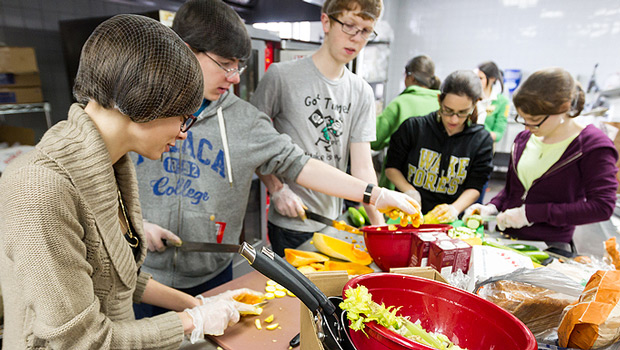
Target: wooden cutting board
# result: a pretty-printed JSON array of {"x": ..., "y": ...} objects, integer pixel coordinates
[{"x": 244, "y": 335}]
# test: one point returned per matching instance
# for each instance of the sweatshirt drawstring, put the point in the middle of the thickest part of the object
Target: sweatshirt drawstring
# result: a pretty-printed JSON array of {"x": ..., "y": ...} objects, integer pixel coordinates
[{"x": 220, "y": 119}]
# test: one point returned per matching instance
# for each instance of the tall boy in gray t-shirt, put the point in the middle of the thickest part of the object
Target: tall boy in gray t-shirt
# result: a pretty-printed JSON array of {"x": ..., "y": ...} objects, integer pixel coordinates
[{"x": 328, "y": 111}]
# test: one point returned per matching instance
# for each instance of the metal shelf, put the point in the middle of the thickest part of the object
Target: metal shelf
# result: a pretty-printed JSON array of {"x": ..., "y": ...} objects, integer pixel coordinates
[{"x": 21, "y": 108}]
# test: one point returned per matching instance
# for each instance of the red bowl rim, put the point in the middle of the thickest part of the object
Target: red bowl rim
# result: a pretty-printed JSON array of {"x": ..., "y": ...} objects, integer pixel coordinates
[
  {"x": 394, "y": 337},
  {"x": 383, "y": 229}
]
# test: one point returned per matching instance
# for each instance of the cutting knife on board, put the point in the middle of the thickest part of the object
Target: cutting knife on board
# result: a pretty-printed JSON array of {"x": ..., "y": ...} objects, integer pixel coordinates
[
  {"x": 333, "y": 223},
  {"x": 204, "y": 246}
]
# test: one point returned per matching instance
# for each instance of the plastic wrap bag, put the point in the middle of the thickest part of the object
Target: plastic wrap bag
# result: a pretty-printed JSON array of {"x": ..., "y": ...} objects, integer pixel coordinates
[
  {"x": 537, "y": 297},
  {"x": 460, "y": 280}
]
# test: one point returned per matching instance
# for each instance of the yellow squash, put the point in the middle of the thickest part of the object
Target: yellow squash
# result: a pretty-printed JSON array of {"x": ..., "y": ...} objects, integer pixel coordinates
[
  {"x": 300, "y": 257},
  {"x": 340, "y": 249}
]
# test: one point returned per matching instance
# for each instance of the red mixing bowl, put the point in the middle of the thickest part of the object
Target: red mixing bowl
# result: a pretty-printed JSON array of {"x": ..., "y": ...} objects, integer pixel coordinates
[
  {"x": 393, "y": 248},
  {"x": 466, "y": 319}
]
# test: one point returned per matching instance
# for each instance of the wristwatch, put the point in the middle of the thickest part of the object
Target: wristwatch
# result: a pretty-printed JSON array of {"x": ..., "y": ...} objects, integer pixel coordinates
[{"x": 367, "y": 193}]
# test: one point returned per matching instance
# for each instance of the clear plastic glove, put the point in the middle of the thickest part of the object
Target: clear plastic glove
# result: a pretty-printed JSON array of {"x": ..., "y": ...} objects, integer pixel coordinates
[
  {"x": 512, "y": 218},
  {"x": 287, "y": 203},
  {"x": 444, "y": 213},
  {"x": 154, "y": 235},
  {"x": 388, "y": 200},
  {"x": 482, "y": 210},
  {"x": 413, "y": 193},
  {"x": 213, "y": 317}
]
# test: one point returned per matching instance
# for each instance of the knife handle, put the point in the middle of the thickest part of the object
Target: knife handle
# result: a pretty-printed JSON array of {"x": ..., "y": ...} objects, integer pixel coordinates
[
  {"x": 168, "y": 243},
  {"x": 264, "y": 263},
  {"x": 326, "y": 305}
]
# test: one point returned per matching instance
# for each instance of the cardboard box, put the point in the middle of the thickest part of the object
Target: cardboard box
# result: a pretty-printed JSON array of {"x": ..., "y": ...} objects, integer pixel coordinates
[
  {"x": 21, "y": 95},
  {"x": 420, "y": 246},
  {"x": 331, "y": 284},
  {"x": 448, "y": 256},
  {"x": 18, "y": 60},
  {"x": 19, "y": 80},
  {"x": 13, "y": 134}
]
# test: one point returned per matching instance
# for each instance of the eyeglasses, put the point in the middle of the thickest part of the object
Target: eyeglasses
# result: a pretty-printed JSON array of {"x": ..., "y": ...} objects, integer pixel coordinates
[
  {"x": 519, "y": 119},
  {"x": 188, "y": 121},
  {"x": 449, "y": 113},
  {"x": 353, "y": 30},
  {"x": 230, "y": 72}
]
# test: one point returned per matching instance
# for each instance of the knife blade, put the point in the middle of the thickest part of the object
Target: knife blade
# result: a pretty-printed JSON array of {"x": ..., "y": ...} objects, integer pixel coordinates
[
  {"x": 204, "y": 247},
  {"x": 333, "y": 223}
]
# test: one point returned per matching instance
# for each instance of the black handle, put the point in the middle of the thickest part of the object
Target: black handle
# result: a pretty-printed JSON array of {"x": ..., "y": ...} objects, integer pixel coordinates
[
  {"x": 295, "y": 341},
  {"x": 325, "y": 304},
  {"x": 264, "y": 263}
]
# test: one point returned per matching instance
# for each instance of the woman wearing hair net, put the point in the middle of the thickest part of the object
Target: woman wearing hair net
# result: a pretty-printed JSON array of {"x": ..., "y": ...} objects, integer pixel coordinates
[{"x": 71, "y": 237}]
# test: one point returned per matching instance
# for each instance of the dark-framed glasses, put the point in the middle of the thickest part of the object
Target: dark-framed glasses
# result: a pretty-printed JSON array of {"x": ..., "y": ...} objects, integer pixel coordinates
[
  {"x": 447, "y": 112},
  {"x": 229, "y": 72},
  {"x": 519, "y": 119},
  {"x": 188, "y": 121},
  {"x": 367, "y": 34}
]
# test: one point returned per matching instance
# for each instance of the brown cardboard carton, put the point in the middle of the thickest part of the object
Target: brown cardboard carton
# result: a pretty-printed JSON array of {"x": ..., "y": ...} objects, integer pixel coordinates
[
  {"x": 462, "y": 260},
  {"x": 18, "y": 60},
  {"x": 449, "y": 255},
  {"x": 420, "y": 246},
  {"x": 21, "y": 95},
  {"x": 13, "y": 134},
  {"x": 19, "y": 80},
  {"x": 331, "y": 283}
]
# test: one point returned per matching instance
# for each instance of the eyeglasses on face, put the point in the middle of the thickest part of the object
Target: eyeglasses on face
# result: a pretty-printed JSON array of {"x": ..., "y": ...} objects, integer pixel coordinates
[
  {"x": 188, "y": 121},
  {"x": 367, "y": 34},
  {"x": 229, "y": 72},
  {"x": 519, "y": 119},
  {"x": 447, "y": 112}
]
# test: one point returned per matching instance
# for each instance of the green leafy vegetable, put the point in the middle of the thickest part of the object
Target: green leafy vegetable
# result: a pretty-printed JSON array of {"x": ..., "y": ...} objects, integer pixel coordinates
[{"x": 362, "y": 309}]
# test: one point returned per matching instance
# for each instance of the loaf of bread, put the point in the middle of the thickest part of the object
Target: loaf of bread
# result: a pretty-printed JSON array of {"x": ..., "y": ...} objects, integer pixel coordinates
[{"x": 540, "y": 309}]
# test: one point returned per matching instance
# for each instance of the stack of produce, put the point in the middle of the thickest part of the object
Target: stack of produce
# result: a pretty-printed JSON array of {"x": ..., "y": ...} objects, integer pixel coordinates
[{"x": 353, "y": 260}]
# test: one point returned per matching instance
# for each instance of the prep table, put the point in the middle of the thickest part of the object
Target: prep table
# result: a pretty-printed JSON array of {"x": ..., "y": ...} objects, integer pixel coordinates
[{"x": 588, "y": 240}]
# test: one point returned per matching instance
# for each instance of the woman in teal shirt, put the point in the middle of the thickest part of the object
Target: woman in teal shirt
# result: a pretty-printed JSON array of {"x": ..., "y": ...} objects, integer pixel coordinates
[
  {"x": 493, "y": 108},
  {"x": 420, "y": 97},
  {"x": 494, "y": 103}
]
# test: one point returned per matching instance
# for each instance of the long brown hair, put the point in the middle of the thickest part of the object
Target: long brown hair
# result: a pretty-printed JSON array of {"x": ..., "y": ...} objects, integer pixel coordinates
[
  {"x": 463, "y": 83},
  {"x": 550, "y": 91},
  {"x": 422, "y": 69}
]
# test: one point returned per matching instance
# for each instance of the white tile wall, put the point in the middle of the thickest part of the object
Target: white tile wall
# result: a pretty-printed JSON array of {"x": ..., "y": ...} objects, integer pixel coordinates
[{"x": 523, "y": 34}]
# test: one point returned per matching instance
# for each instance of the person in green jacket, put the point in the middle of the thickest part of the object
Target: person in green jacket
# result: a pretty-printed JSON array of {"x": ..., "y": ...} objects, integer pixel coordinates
[
  {"x": 420, "y": 97},
  {"x": 494, "y": 103}
]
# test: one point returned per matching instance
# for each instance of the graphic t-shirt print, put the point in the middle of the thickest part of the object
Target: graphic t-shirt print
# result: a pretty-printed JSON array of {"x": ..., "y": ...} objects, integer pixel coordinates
[
  {"x": 328, "y": 124},
  {"x": 427, "y": 174}
]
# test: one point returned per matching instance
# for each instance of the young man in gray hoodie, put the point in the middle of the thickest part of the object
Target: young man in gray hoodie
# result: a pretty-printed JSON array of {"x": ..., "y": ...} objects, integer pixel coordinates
[{"x": 203, "y": 182}]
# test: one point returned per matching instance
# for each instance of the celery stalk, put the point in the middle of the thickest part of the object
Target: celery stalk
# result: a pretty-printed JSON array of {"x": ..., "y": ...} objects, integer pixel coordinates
[{"x": 427, "y": 339}]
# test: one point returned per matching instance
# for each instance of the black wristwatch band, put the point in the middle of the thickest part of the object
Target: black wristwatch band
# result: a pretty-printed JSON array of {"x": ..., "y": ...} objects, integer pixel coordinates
[{"x": 367, "y": 193}]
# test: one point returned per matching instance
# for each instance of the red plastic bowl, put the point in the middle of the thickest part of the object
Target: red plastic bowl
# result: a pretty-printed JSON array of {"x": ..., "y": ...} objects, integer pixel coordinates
[
  {"x": 466, "y": 319},
  {"x": 393, "y": 248}
]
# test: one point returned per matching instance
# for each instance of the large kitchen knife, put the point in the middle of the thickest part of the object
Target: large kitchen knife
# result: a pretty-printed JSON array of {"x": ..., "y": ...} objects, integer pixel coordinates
[
  {"x": 333, "y": 223},
  {"x": 204, "y": 247}
]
